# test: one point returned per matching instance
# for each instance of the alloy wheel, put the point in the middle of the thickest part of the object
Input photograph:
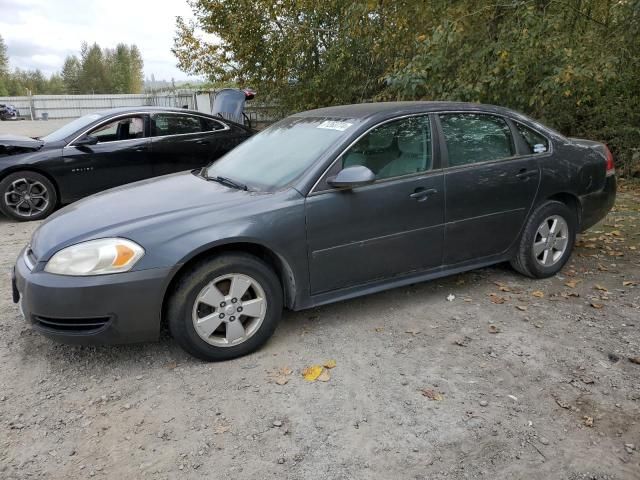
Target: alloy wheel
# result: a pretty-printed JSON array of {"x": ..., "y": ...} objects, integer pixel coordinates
[
  {"x": 229, "y": 310},
  {"x": 26, "y": 197},
  {"x": 551, "y": 240}
]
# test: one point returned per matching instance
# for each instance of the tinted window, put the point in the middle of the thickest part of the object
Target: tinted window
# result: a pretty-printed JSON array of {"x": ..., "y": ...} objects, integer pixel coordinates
[
  {"x": 394, "y": 149},
  {"x": 473, "y": 138},
  {"x": 536, "y": 143},
  {"x": 210, "y": 125},
  {"x": 72, "y": 127},
  {"x": 172, "y": 124},
  {"x": 120, "y": 129},
  {"x": 281, "y": 153}
]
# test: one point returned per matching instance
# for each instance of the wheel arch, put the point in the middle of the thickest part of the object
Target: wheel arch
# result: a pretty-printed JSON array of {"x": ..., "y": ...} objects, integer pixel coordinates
[
  {"x": 280, "y": 266},
  {"x": 30, "y": 168},
  {"x": 570, "y": 200}
]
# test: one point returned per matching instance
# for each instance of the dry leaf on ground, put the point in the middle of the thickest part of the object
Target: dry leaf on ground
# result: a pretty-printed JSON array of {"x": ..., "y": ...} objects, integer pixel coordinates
[
  {"x": 493, "y": 329},
  {"x": 600, "y": 287},
  {"x": 573, "y": 283},
  {"x": 522, "y": 308},
  {"x": 629, "y": 283},
  {"x": 635, "y": 360},
  {"x": 329, "y": 364},
  {"x": 537, "y": 294},
  {"x": 497, "y": 298},
  {"x": 597, "y": 305},
  {"x": 432, "y": 394},
  {"x": 588, "y": 421},
  {"x": 312, "y": 373},
  {"x": 325, "y": 376},
  {"x": 412, "y": 331}
]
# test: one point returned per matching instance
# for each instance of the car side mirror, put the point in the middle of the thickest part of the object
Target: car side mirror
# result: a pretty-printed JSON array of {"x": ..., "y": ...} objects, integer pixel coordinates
[
  {"x": 85, "y": 141},
  {"x": 352, "y": 177}
]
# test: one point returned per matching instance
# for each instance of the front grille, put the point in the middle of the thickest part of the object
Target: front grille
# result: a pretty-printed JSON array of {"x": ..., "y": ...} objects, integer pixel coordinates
[{"x": 70, "y": 325}]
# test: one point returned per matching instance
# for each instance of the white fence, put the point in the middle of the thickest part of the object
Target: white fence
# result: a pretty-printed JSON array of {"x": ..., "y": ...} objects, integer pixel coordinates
[{"x": 38, "y": 107}]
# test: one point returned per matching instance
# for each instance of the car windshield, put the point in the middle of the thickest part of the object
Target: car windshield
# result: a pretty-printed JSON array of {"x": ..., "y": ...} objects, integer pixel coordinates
[
  {"x": 278, "y": 155},
  {"x": 71, "y": 127}
]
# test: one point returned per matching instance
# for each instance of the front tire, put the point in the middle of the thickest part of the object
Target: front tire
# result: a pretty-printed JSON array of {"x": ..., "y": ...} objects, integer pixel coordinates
[
  {"x": 225, "y": 307},
  {"x": 26, "y": 196},
  {"x": 547, "y": 240}
]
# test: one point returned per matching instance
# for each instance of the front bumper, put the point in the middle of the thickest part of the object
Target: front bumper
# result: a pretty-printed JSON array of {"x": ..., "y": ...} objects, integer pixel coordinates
[
  {"x": 595, "y": 206},
  {"x": 102, "y": 309}
]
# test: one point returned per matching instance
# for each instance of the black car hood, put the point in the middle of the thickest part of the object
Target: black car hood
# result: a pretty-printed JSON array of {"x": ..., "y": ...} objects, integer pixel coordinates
[
  {"x": 132, "y": 211},
  {"x": 19, "y": 141}
]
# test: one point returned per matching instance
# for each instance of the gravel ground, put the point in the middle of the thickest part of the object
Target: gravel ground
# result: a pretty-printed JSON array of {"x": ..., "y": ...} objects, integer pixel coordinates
[{"x": 512, "y": 379}]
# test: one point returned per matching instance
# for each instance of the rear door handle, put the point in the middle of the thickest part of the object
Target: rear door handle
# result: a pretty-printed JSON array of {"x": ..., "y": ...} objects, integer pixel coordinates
[
  {"x": 203, "y": 142},
  {"x": 422, "y": 194},
  {"x": 525, "y": 174},
  {"x": 142, "y": 148}
]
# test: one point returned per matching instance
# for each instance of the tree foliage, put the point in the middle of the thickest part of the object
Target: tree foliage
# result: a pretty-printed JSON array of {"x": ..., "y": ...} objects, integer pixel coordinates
[
  {"x": 96, "y": 70},
  {"x": 573, "y": 64}
]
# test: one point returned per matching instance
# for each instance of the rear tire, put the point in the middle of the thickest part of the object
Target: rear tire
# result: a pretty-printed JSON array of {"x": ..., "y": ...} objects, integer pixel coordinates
[
  {"x": 225, "y": 307},
  {"x": 26, "y": 196},
  {"x": 547, "y": 240}
]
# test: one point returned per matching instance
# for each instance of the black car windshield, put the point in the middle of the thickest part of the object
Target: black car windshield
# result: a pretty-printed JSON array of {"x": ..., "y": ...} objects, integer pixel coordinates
[
  {"x": 278, "y": 155},
  {"x": 71, "y": 128}
]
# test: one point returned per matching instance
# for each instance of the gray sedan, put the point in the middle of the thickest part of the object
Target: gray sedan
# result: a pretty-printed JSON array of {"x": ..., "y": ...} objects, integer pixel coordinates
[{"x": 323, "y": 206}]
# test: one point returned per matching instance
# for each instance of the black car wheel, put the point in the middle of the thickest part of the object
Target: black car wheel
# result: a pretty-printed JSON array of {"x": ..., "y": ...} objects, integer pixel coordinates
[
  {"x": 547, "y": 240},
  {"x": 27, "y": 196},
  {"x": 225, "y": 307}
]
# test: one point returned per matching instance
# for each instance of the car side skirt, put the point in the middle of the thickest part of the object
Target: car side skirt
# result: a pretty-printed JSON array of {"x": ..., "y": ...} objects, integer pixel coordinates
[{"x": 400, "y": 281}]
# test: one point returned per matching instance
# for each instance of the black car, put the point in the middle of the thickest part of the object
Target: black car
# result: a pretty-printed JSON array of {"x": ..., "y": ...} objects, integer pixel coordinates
[
  {"x": 8, "y": 112},
  {"x": 104, "y": 150},
  {"x": 323, "y": 206}
]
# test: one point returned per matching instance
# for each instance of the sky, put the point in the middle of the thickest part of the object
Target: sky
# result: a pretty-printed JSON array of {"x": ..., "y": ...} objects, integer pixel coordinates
[{"x": 40, "y": 33}]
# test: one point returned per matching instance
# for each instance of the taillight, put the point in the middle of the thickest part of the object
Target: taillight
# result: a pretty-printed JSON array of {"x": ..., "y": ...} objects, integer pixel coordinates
[{"x": 611, "y": 167}]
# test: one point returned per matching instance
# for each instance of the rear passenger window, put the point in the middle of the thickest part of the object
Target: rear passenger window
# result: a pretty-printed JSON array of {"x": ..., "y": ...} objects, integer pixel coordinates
[
  {"x": 474, "y": 138},
  {"x": 210, "y": 125},
  {"x": 172, "y": 124},
  {"x": 394, "y": 149},
  {"x": 536, "y": 143}
]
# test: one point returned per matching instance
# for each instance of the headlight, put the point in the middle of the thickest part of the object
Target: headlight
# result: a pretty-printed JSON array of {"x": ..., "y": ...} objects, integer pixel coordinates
[{"x": 96, "y": 257}]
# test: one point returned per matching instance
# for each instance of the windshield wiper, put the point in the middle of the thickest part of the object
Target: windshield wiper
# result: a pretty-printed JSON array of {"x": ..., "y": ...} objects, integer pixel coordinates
[{"x": 227, "y": 182}]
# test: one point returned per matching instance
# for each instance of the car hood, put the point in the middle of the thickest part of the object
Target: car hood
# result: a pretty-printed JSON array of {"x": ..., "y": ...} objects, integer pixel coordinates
[
  {"x": 9, "y": 143},
  {"x": 133, "y": 211}
]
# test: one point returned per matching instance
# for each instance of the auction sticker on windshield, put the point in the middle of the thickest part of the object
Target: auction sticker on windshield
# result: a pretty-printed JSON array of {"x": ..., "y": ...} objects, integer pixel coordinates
[{"x": 335, "y": 125}]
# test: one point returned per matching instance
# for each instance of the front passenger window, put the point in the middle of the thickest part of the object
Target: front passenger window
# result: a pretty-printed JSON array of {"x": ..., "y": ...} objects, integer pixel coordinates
[
  {"x": 121, "y": 129},
  {"x": 394, "y": 149},
  {"x": 474, "y": 138}
]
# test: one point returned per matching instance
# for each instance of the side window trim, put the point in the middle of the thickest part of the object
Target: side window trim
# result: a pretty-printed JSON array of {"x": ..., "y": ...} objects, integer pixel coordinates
[{"x": 331, "y": 170}]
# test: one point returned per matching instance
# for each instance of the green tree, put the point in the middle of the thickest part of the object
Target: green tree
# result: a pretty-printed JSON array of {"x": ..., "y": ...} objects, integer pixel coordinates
[
  {"x": 4, "y": 68},
  {"x": 93, "y": 74},
  {"x": 71, "y": 70}
]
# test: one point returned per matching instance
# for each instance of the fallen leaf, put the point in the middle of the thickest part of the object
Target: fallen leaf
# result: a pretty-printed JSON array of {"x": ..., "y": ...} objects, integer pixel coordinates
[
  {"x": 222, "y": 428},
  {"x": 379, "y": 329},
  {"x": 601, "y": 288},
  {"x": 562, "y": 404},
  {"x": 616, "y": 233},
  {"x": 282, "y": 380},
  {"x": 412, "y": 331},
  {"x": 312, "y": 373},
  {"x": 597, "y": 305},
  {"x": 522, "y": 308},
  {"x": 171, "y": 365},
  {"x": 587, "y": 380},
  {"x": 538, "y": 294},
  {"x": 493, "y": 329},
  {"x": 325, "y": 376},
  {"x": 280, "y": 376},
  {"x": 629, "y": 283},
  {"x": 602, "y": 268},
  {"x": 635, "y": 360},
  {"x": 496, "y": 298},
  {"x": 329, "y": 364},
  {"x": 573, "y": 283},
  {"x": 588, "y": 421},
  {"x": 432, "y": 394}
]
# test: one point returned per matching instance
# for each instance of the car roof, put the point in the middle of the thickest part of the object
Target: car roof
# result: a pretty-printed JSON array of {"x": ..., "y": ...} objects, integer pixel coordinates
[
  {"x": 148, "y": 109},
  {"x": 368, "y": 110}
]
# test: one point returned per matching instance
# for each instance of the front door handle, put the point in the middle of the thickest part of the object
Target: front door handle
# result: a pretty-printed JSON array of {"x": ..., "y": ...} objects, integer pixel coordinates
[
  {"x": 421, "y": 194},
  {"x": 524, "y": 174},
  {"x": 140, "y": 149}
]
